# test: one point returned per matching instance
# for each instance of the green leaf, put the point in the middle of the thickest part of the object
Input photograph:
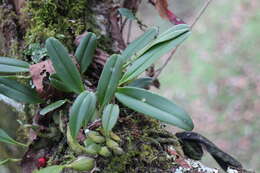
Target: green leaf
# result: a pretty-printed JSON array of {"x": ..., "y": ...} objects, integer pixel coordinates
[
  {"x": 4, "y": 137},
  {"x": 127, "y": 13},
  {"x": 11, "y": 65},
  {"x": 63, "y": 65},
  {"x": 59, "y": 84},
  {"x": 18, "y": 92},
  {"x": 50, "y": 169},
  {"x": 109, "y": 117},
  {"x": 109, "y": 79},
  {"x": 83, "y": 109},
  {"x": 171, "y": 33},
  {"x": 139, "y": 43},
  {"x": 52, "y": 107},
  {"x": 2, "y": 162},
  {"x": 156, "y": 50},
  {"x": 86, "y": 50},
  {"x": 141, "y": 83},
  {"x": 153, "y": 105}
]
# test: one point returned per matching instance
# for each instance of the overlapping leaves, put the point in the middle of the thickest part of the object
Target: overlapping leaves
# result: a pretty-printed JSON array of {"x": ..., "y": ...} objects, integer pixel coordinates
[
  {"x": 82, "y": 111},
  {"x": 109, "y": 79},
  {"x": 152, "y": 52},
  {"x": 18, "y": 92},
  {"x": 153, "y": 105},
  {"x": 64, "y": 66},
  {"x": 11, "y": 65}
]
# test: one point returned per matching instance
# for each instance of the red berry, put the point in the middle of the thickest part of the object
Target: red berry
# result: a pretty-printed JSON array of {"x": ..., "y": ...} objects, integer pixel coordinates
[{"x": 42, "y": 162}]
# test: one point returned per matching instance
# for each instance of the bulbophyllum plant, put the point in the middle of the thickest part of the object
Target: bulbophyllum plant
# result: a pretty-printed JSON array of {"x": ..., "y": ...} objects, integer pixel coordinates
[{"x": 118, "y": 83}]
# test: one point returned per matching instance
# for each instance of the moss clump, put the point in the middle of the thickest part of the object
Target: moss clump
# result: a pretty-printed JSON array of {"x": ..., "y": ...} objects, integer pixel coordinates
[
  {"x": 61, "y": 19},
  {"x": 143, "y": 153}
]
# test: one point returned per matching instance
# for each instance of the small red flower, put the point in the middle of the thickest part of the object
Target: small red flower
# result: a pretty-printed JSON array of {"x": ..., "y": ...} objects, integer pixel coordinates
[{"x": 41, "y": 162}]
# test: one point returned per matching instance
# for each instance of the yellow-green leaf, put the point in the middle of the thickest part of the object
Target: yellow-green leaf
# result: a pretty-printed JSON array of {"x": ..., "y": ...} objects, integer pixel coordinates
[
  {"x": 50, "y": 169},
  {"x": 109, "y": 117}
]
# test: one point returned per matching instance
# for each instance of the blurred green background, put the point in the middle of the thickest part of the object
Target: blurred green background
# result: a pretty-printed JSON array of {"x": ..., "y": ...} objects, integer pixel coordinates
[{"x": 214, "y": 75}]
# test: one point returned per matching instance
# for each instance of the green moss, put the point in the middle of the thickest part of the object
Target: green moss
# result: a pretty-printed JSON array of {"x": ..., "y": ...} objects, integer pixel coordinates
[
  {"x": 143, "y": 153},
  {"x": 61, "y": 19}
]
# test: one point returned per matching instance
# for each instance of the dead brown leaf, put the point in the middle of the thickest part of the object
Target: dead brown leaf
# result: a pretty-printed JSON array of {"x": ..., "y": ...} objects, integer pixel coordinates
[
  {"x": 164, "y": 12},
  {"x": 39, "y": 71}
]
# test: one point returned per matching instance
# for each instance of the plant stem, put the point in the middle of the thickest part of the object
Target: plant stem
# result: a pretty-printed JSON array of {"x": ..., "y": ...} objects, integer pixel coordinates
[{"x": 203, "y": 9}]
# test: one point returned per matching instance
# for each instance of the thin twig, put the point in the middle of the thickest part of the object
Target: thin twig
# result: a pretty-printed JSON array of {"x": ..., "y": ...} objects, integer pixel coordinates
[
  {"x": 203, "y": 9},
  {"x": 129, "y": 32},
  {"x": 123, "y": 25}
]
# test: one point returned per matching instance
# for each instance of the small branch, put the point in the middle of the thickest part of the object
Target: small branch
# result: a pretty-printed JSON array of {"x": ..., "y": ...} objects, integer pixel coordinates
[
  {"x": 203, "y": 9},
  {"x": 129, "y": 32}
]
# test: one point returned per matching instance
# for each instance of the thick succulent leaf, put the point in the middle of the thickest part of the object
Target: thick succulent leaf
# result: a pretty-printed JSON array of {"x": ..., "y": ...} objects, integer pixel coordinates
[
  {"x": 109, "y": 79},
  {"x": 149, "y": 57},
  {"x": 86, "y": 50},
  {"x": 83, "y": 109},
  {"x": 52, "y": 107},
  {"x": 50, "y": 169},
  {"x": 109, "y": 117},
  {"x": 63, "y": 65},
  {"x": 153, "y": 105},
  {"x": 127, "y": 13},
  {"x": 4, "y": 137},
  {"x": 18, "y": 92},
  {"x": 141, "y": 83},
  {"x": 139, "y": 43},
  {"x": 57, "y": 83},
  {"x": 11, "y": 65}
]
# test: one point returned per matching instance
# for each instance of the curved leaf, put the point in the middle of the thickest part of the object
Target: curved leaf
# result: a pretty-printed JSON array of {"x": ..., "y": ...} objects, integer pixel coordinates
[
  {"x": 63, "y": 65},
  {"x": 2, "y": 162},
  {"x": 86, "y": 50},
  {"x": 50, "y": 169},
  {"x": 58, "y": 84},
  {"x": 141, "y": 83},
  {"x": 83, "y": 109},
  {"x": 4, "y": 137},
  {"x": 127, "y": 13},
  {"x": 171, "y": 33},
  {"x": 18, "y": 92},
  {"x": 11, "y": 65},
  {"x": 155, "y": 106},
  {"x": 157, "y": 49},
  {"x": 139, "y": 43},
  {"x": 109, "y": 117},
  {"x": 109, "y": 79},
  {"x": 52, "y": 107}
]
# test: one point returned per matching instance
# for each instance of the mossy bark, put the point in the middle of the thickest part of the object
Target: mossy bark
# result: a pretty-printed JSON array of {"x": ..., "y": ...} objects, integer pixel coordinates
[{"x": 143, "y": 140}]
